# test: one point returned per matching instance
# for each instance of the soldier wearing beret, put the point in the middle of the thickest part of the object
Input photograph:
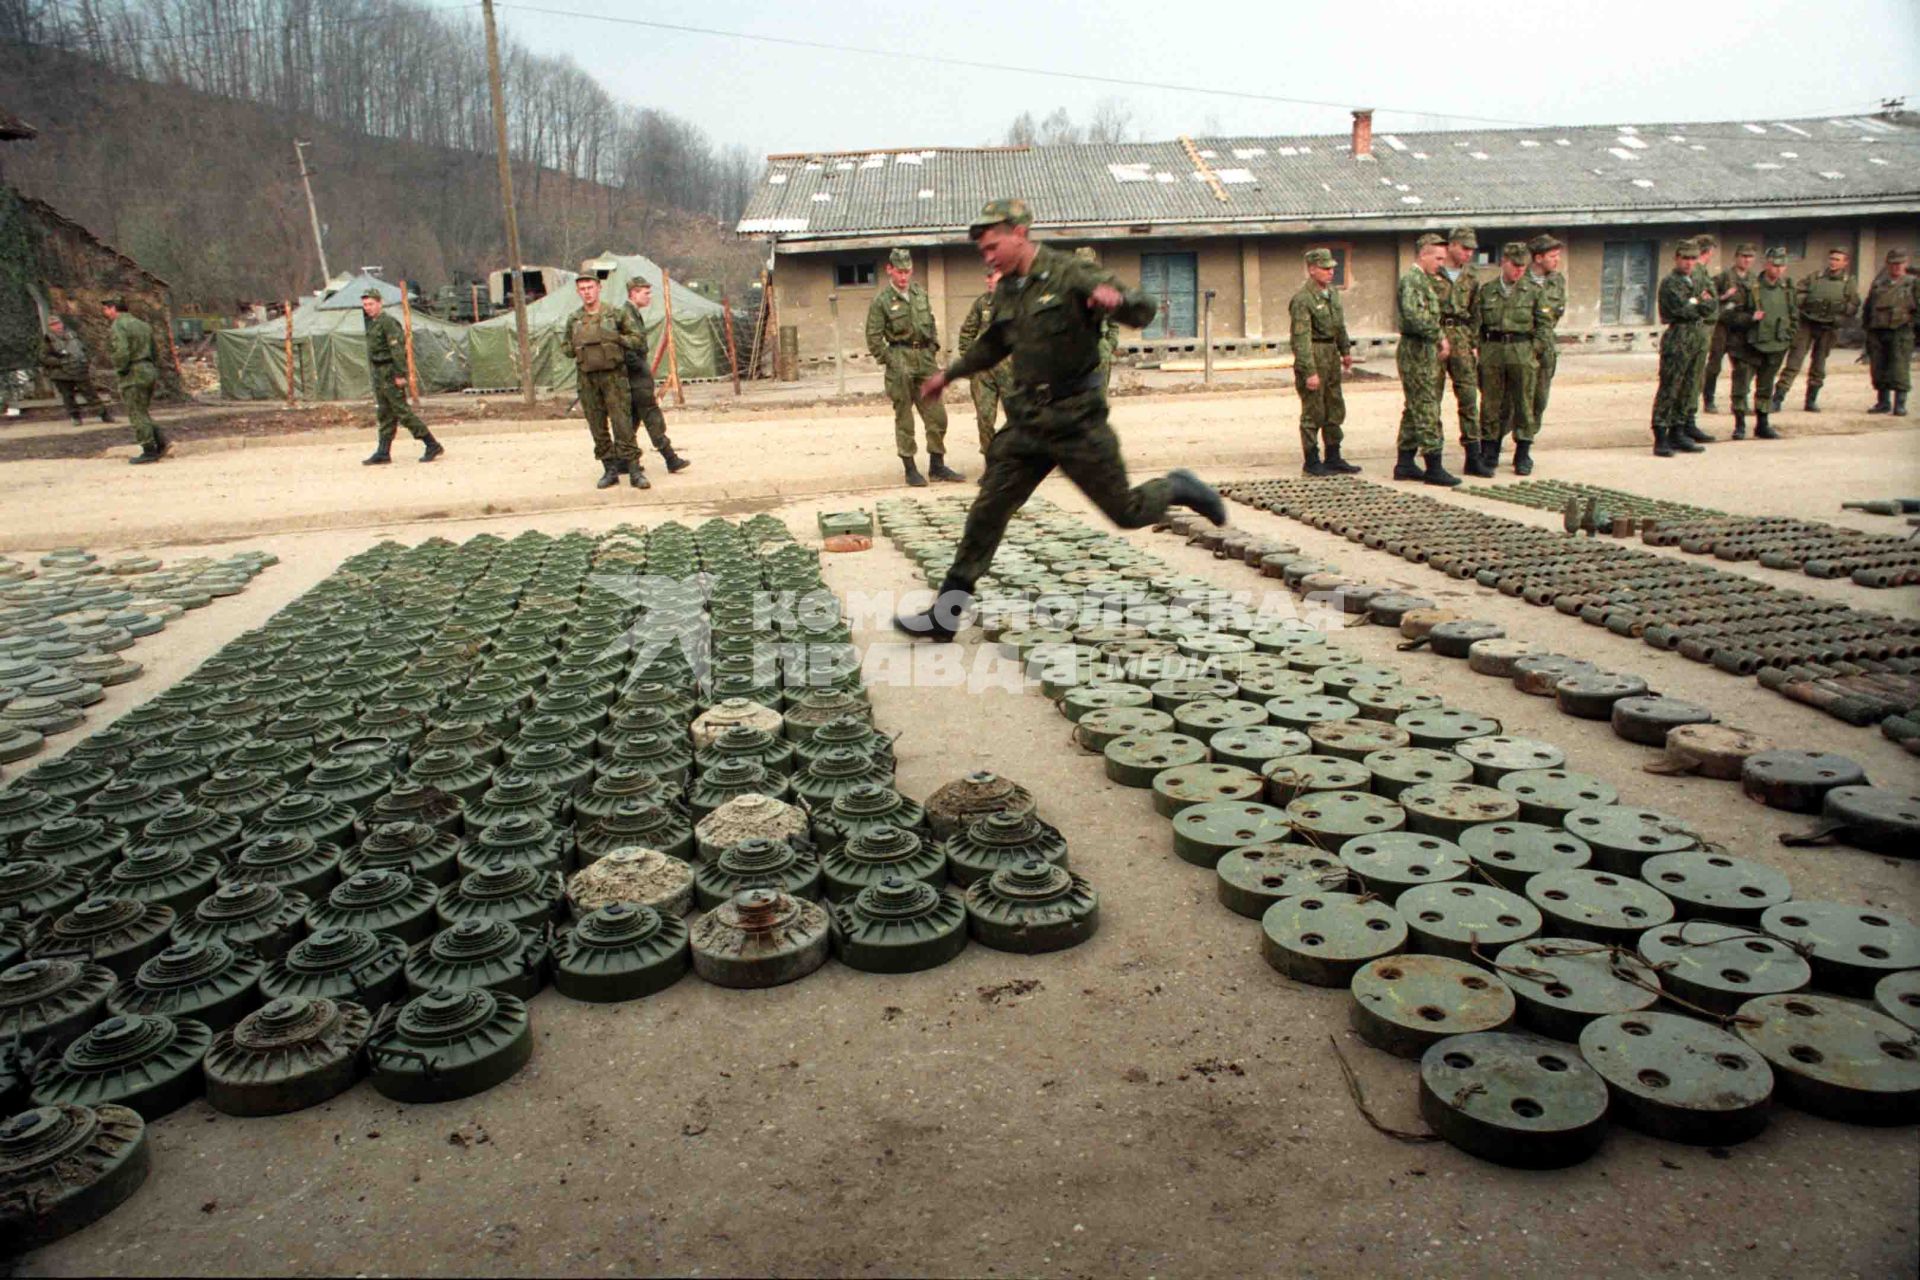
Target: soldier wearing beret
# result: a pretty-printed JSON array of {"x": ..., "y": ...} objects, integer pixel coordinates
[
  {"x": 387, "y": 369},
  {"x": 1457, "y": 287},
  {"x": 64, "y": 360},
  {"x": 1727, "y": 283},
  {"x": 1761, "y": 317},
  {"x": 1422, "y": 351},
  {"x": 131, "y": 341},
  {"x": 1046, "y": 320},
  {"x": 641, "y": 398},
  {"x": 1892, "y": 304},
  {"x": 1826, "y": 298},
  {"x": 1509, "y": 314},
  {"x": 1546, "y": 275},
  {"x": 1322, "y": 356},
  {"x": 991, "y": 387},
  {"x": 599, "y": 338},
  {"x": 902, "y": 340},
  {"x": 1685, "y": 302}
]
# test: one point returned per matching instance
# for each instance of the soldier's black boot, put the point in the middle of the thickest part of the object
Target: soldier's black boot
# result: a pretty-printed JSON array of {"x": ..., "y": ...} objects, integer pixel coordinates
[
  {"x": 165, "y": 446},
  {"x": 1691, "y": 430},
  {"x": 1490, "y": 452},
  {"x": 1404, "y": 468},
  {"x": 1762, "y": 429},
  {"x": 1739, "y": 424},
  {"x": 1677, "y": 437},
  {"x": 380, "y": 456},
  {"x": 609, "y": 474},
  {"x": 1185, "y": 489},
  {"x": 106, "y": 414},
  {"x": 637, "y": 475},
  {"x": 1881, "y": 405},
  {"x": 1476, "y": 464},
  {"x": 938, "y": 469},
  {"x": 940, "y": 621},
  {"x": 1313, "y": 466},
  {"x": 148, "y": 453},
  {"x": 1661, "y": 449},
  {"x": 1437, "y": 474},
  {"x": 1811, "y": 406},
  {"x": 675, "y": 463},
  {"x": 1338, "y": 465},
  {"x": 914, "y": 477},
  {"x": 433, "y": 450},
  {"x": 1523, "y": 457},
  {"x": 1899, "y": 404}
]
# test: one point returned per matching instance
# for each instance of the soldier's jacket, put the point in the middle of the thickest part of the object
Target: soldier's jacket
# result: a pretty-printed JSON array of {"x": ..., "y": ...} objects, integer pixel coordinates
[
  {"x": 1109, "y": 342},
  {"x": 599, "y": 340},
  {"x": 386, "y": 345},
  {"x": 1826, "y": 298},
  {"x": 131, "y": 341},
  {"x": 63, "y": 359},
  {"x": 977, "y": 317},
  {"x": 1774, "y": 303},
  {"x": 902, "y": 325},
  {"x": 1680, "y": 301},
  {"x": 1522, "y": 309},
  {"x": 637, "y": 361},
  {"x": 1419, "y": 306},
  {"x": 1730, "y": 278},
  {"x": 1892, "y": 304},
  {"x": 1703, "y": 279},
  {"x": 1316, "y": 316},
  {"x": 1553, "y": 295},
  {"x": 1042, "y": 322},
  {"x": 1457, "y": 299}
]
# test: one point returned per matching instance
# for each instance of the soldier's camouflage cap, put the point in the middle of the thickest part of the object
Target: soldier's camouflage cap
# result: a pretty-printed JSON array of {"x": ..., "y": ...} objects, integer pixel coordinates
[
  {"x": 1431, "y": 237},
  {"x": 1845, "y": 253},
  {"x": 1514, "y": 251},
  {"x": 1686, "y": 249},
  {"x": 370, "y": 292},
  {"x": 1705, "y": 242},
  {"x": 1896, "y": 255},
  {"x": 1319, "y": 257},
  {"x": 1777, "y": 255},
  {"x": 1745, "y": 247},
  {"x": 1465, "y": 236},
  {"x": 1543, "y": 244},
  {"x": 900, "y": 258},
  {"x": 115, "y": 301},
  {"x": 638, "y": 282},
  {"x": 995, "y": 213}
]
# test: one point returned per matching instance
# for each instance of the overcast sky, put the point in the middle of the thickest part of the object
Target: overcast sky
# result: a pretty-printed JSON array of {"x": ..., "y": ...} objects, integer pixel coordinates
[{"x": 1424, "y": 65}]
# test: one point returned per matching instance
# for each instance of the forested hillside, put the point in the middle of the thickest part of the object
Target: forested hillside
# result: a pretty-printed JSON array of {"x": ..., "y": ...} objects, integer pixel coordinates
[{"x": 167, "y": 127}]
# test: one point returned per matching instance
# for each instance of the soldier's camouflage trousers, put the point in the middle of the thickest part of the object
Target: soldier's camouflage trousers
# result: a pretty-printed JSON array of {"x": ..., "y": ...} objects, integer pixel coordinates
[
  {"x": 1462, "y": 368},
  {"x": 72, "y": 391},
  {"x": 1507, "y": 375},
  {"x": 644, "y": 404},
  {"x": 136, "y": 392},
  {"x": 1418, "y": 360},
  {"x": 1071, "y": 434},
  {"x": 1811, "y": 338},
  {"x": 603, "y": 398},
  {"x": 391, "y": 410},
  {"x": 903, "y": 389},
  {"x": 1751, "y": 367},
  {"x": 1322, "y": 412},
  {"x": 1717, "y": 355},
  {"x": 987, "y": 389},
  {"x": 1546, "y": 352},
  {"x": 1680, "y": 364},
  {"x": 1890, "y": 354}
]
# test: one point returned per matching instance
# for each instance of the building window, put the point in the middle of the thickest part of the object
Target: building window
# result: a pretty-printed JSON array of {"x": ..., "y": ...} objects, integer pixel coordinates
[
  {"x": 853, "y": 275},
  {"x": 1173, "y": 280},
  {"x": 1626, "y": 282}
]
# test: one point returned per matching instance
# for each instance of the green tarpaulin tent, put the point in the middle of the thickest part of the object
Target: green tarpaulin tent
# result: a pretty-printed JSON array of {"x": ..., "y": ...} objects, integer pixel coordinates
[
  {"x": 330, "y": 350},
  {"x": 699, "y": 339}
]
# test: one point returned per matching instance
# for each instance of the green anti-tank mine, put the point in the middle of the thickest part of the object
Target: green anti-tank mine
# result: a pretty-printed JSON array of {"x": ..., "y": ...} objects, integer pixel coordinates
[
  {"x": 290, "y": 1054},
  {"x": 62, "y": 1167},
  {"x": 448, "y": 1044},
  {"x": 293, "y": 864},
  {"x": 1389, "y": 864},
  {"x": 620, "y": 952},
  {"x": 1251, "y": 879},
  {"x": 974, "y": 796},
  {"x": 1851, "y": 948},
  {"x": 757, "y": 863},
  {"x": 1716, "y": 886},
  {"x": 760, "y": 938},
  {"x": 339, "y": 964},
  {"x": 170, "y": 877},
  {"x": 259, "y": 916},
  {"x": 1325, "y": 938},
  {"x": 877, "y": 854},
  {"x": 1836, "y": 1059},
  {"x": 147, "y": 1062},
  {"x": 209, "y": 982},
  {"x": 1597, "y": 906},
  {"x": 1562, "y": 984},
  {"x": 1465, "y": 920},
  {"x": 30, "y": 889},
  {"x": 1204, "y": 833},
  {"x": 379, "y": 902},
  {"x": 1513, "y": 1099},
  {"x": 1679, "y": 1078},
  {"x": 1033, "y": 907},
  {"x": 480, "y": 953},
  {"x": 46, "y": 1003},
  {"x": 119, "y": 933},
  {"x": 1001, "y": 839},
  {"x": 899, "y": 926},
  {"x": 1404, "y": 1003}
]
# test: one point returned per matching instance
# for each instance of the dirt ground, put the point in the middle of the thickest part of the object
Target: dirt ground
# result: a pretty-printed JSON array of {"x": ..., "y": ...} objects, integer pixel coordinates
[{"x": 1157, "y": 1101}]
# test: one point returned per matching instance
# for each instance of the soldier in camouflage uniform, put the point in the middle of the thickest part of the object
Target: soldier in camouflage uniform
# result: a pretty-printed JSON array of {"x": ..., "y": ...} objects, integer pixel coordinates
[
  {"x": 1826, "y": 298},
  {"x": 1109, "y": 328},
  {"x": 1727, "y": 284},
  {"x": 1046, "y": 321},
  {"x": 1508, "y": 315},
  {"x": 1760, "y": 318},
  {"x": 131, "y": 340},
  {"x": 1456, "y": 286},
  {"x": 1423, "y": 350},
  {"x": 641, "y": 400},
  {"x": 387, "y": 370},
  {"x": 64, "y": 360},
  {"x": 1703, "y": 278},
  {"x": 990, "y": 387},
  {"x": 1685, "y": 302},
  {"x": 1545, "y": 274},
  {"x": 902, "y": 339},
  {"x": 1892, "y": 304},
  {"x": 598, "y": 338},
  {"x": 1322, "y": 355}
]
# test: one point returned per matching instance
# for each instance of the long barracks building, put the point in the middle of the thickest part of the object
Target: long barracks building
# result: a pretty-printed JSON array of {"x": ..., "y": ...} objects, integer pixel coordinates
[{"x": 1231, "y": 216}]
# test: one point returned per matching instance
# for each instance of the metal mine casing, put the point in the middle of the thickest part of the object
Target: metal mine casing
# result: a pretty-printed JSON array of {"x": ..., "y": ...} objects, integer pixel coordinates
[
  {"x": 481, "y": 953},
  {"x": 209, "y": 982},
  {"x": 290, "y": 1054},
  {"x": 865, "y": 808},
  {"x": 1562, "y": 984},
  {"x": 1513, "y": 1099},
  {"x": 760, "y": 938},
  {"x": 46, "y": 1003},
  {"x": 757, "y": 863},
  {"x": 521, "y": 839},
  {"x": 517, "y": 894},
  {"x": 899, "y": 926},
  {"x": 254, "y": 915},
  {"x": 413, "y": 848},
  {"x": 380, "y": 902},
  {"x": 975, "y": 795},
  {"x": 1001, "y": 839},
  {"x": 878, "y": 853},
  {"x": 339, "y": 964},
  {"x": 170, "y": 877},
  {"x": 1032, "y": 907},
  {"x": 621, "y": 951},
  {"x": 79, "y": 842},
  {"x": 119, "y": 933},
  {"x": 292, "y": 863},
  {"x": 449, "y": 1044},
  {"x": 62, "y": 1167},
  {"x": 30, "y": 889},
  {"x": 147, "y": 1062}
]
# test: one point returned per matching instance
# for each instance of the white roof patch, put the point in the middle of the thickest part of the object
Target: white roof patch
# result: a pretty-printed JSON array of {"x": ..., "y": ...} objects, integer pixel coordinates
[
  {"x": 1529, "y": 142},
  {"x": 1754, "y": 128},
  {"x": 1209, "y": 155},
  {"x": 926, "y": 193},
  {"x": 1628, "y": 140},
  {"x": 1163, "y": 177},
  {"x": 1289, "y": 151},
  {"x": 911, "y": 157},
  {"x": 1410, "y": 200},
  {"x": 1248, "y": 153},
  {"x": 1620, "y": 153},
  {"x": 822, "y": 196},
  {"x": 1791, "y": 128},
  {"x": 775, "y": 179},
  {"x": 1128, "y": 172},
  {"x": 1765, "y": 164},
  {"x": 1478, "y": 155},
  {"x": 1643, "y": 183},
  {"x": 1831, "y": 176},
  {"x": 1234, "y": 175},
  {"x": 1393, "y": 142},
  {"x": 772, "y": 226}
]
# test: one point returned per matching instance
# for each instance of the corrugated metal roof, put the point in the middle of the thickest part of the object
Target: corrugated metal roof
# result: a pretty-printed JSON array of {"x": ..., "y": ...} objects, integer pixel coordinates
[{"x": 1437, "y": 177}]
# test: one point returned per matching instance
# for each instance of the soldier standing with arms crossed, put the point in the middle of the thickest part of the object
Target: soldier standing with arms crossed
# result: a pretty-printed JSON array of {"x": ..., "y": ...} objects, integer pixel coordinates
[
  {"x": 1322, "y": 356},
  {"x": 1892, "y": 305},
  {"x": 1703, "y": 278},
  {"x": 598, "y": 337},
  {"x": 1761, "y": 319},
  {"x": 902, "y": 338},
  {"x": 1727, "y": 284},
  {"x": 1826, "y": 298},
  {"x": 641, "y": 399},
  {"x": 64, "y": 359},
  {"x": 988, "y": 388},
  {"x": 1457, "y": 286},
  {"x": 131, "y": 340},
  {"x": 1546, "y": 275},
  {"x": 387, "y": 369},
  {"x": 1422, "y": 351},
  {"x": 1046, "y": 321},
  {"x": 1509, "y": 315},
  {"x": 1684, "y": 303}
]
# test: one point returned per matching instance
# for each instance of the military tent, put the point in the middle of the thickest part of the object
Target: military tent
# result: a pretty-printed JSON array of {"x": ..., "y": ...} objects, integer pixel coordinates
[
  {"x": 330, "y": 350},
  {"x": 699, "y": 339}
]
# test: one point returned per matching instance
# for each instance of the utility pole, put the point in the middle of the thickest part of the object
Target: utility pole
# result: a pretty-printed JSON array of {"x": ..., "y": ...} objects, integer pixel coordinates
[
  {"x": 506, "y": 198},
  {"x": 306, "y": 180}
]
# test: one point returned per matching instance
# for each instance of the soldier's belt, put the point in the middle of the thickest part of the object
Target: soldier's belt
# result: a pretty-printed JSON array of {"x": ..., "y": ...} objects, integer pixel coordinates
[
  {"x": 915, "y": 346},
  {"x": 1507, "y": 337},
  {"x": 1043, "y": 393}
]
